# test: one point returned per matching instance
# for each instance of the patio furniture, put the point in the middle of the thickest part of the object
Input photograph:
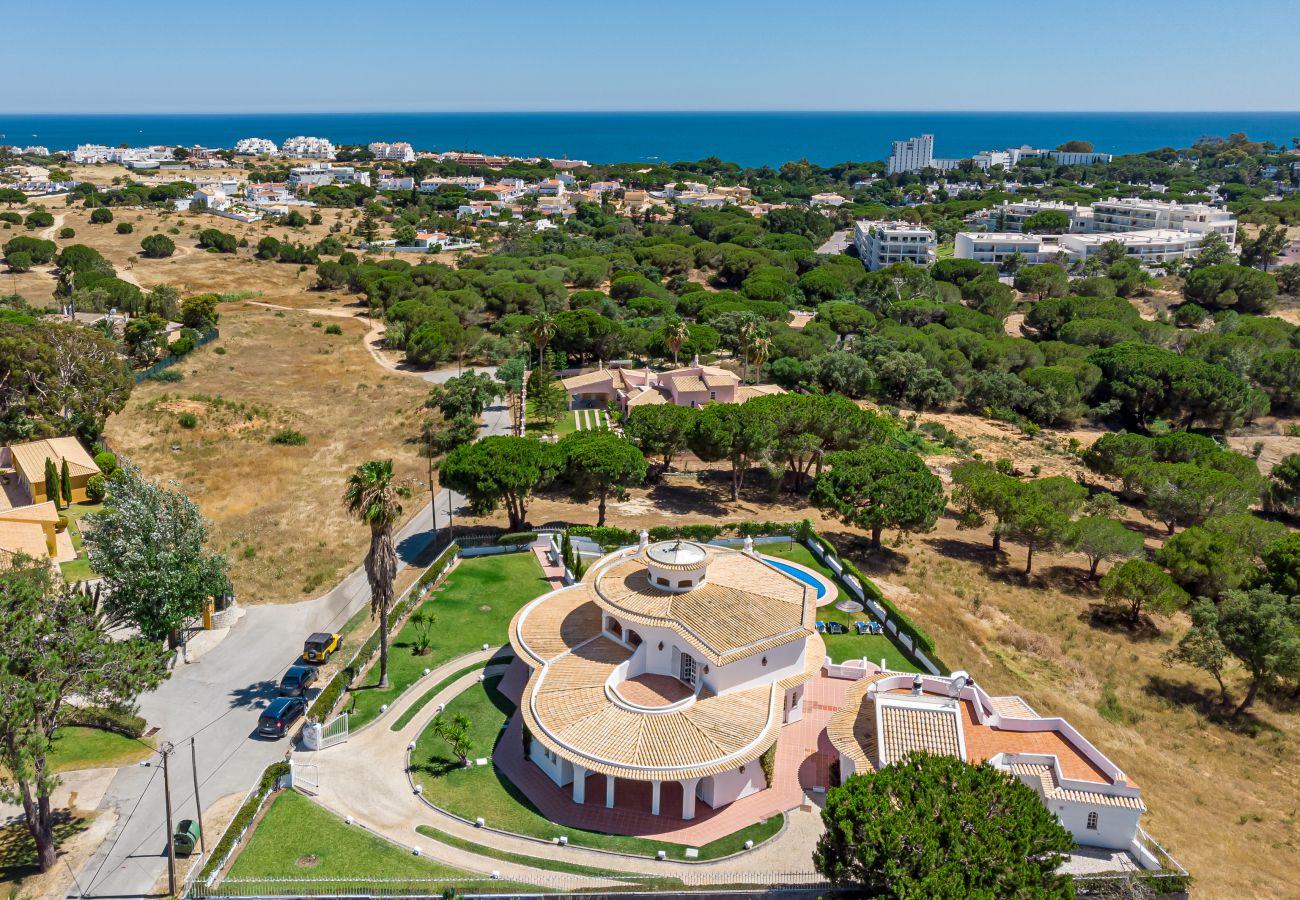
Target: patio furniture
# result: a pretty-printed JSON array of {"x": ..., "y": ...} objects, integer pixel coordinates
[
  {"x": 836, "y": 628},
  {"x": 821, "y": 626},
  {"x": 862, "y": 627}
]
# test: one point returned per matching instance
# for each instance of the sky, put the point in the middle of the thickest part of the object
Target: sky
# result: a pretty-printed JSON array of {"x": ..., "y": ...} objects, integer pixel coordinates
[{"x": 507, "y": 55}]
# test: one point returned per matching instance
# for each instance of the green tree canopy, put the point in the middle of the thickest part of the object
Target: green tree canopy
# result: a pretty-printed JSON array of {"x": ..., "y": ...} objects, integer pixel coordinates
[
  {"x": 1136, "y": 584},
  {"x": 501, "y": 471},
  {"x": 876, "y": 488},
  {"x": 661, "y": 429},
  {"x": 936, "y": 826},
  {"x": 599, "y": 463}
]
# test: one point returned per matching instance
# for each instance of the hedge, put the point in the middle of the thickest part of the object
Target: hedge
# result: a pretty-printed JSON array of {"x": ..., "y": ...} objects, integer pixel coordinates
[
  {"x": 905, "y": 625},
  {"x": 118, "y": 721},
  {"x": 610, "y": 538},
  {"x": 519, "y": 537},
  {"x": 274, "y": 772},
  {"x": 329, "y": 696}
]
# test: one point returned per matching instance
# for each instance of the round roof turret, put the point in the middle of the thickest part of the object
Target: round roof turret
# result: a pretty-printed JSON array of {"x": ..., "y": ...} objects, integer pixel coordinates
[{"x": 679, "y": 555}]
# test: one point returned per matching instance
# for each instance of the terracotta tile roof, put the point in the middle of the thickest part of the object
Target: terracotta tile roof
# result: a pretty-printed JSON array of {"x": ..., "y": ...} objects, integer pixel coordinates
[
  {"x": 22, "y": 537},
  {"x": 588, "y": 379},
  {"x": 1013, "y": 707},
  {"x": 687, "y": 383},
  {"x": 647, "y": 397},
  {"x": 1045, "y": 780},
  {"x": 30, "y": 457},
  {"x": 743, "y": 604},
  {"x": 35, "y": 512},
  {"x": 908, "y": 728}
]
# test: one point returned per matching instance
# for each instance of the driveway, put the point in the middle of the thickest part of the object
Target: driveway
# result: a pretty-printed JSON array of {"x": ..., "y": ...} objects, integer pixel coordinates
[
  {"x": 217, "y": 700},
  {"x": 837, "y": 242}
]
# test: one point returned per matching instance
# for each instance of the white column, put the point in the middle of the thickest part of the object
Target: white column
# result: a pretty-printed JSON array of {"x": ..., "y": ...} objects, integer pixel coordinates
[
  {"x": 579, "y": 783},
  {"x": 688, "y": 798},
  {"x": 609, "y": 791},
  {"x": 654, "y": 798}
]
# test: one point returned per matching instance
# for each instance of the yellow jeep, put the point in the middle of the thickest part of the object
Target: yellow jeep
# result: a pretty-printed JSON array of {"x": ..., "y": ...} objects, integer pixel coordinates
[{"x": 318, "y": 647}]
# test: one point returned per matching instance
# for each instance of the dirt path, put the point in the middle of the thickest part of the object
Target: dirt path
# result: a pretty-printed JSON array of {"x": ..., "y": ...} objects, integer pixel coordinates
[
  {"x": 374, "y": 335},
  {"x": 48, "y": 233}
]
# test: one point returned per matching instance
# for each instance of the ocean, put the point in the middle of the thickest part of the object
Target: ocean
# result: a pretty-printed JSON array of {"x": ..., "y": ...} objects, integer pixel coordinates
[{"x": 748, "y": 138}]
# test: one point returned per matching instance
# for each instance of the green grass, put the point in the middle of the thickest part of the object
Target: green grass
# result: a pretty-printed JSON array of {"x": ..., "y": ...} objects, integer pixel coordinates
[
  {"x": 78, "y": 747},
  {"x": 474, "y": 606},
  {"x": 483, "y": 791},
  {"x": 649, "y": 882},
  {"x": 78, "y": 569},
  {"x": 841, "y": 647},
  {"x": 565, "y": 424},
  {"x": 404, "y": 719},
  {"x": 298, "y": 839}
]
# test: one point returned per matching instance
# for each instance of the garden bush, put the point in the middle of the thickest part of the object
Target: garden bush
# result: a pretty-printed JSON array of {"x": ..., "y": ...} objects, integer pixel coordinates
[
  {"x": 125, "y": 228},
  {"x": 166, "y": 376},
  {"x": 96, "y": 488},
  {"x": 288, "y": 437},
  {"x": 67, "y": 233},
  {"x": 519, "y": 537},
  {"x": 333, "y": 328},
  {"x": 187, "y": 420}
]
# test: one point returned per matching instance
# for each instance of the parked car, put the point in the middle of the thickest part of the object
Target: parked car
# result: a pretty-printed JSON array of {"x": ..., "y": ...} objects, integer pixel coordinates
[
  {"x": 280, "y": 716},
  {"x": 319, "y": 646},
  {"x": 186, "y": 837},
  {"x": 296, "y": 681}
]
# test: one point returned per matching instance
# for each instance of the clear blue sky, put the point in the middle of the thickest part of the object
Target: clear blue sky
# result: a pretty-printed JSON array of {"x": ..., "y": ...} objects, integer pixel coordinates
[{"x": 327, "y": 55}]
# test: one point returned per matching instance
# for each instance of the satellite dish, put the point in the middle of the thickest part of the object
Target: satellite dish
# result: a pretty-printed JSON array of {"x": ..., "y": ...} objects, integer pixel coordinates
[{"x": 958, "y": 683}]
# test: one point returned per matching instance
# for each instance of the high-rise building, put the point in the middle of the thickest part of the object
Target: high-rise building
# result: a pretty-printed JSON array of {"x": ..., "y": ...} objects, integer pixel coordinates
[{"x": 912, "y": 155}]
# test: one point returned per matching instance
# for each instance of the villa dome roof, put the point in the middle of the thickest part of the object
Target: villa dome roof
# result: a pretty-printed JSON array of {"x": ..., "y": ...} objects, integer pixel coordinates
[{"x": 678, "y": 554}]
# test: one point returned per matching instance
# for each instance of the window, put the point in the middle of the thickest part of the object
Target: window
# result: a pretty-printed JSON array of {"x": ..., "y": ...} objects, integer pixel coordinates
[
  {"x": 688, "y": 669},
  {"x": 684, "y": 583},
  {"x": 662, "y": 580},
  {"x": 1092, "y": 821}
]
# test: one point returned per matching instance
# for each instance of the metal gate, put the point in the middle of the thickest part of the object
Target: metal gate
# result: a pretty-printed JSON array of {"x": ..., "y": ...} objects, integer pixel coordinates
[
  {"x": 305, "y": 776},
  {"x": 335, "y": 732}
]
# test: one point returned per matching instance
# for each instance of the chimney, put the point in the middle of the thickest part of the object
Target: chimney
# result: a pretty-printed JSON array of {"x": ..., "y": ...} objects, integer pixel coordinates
[
  {"x": 917, "y": 685},
  {"x": 645, "y": 539}
]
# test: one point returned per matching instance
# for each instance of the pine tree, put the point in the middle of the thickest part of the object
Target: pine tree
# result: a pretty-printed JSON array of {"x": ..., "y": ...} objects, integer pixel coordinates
[
  {"x": 65, "y": 484},
  {"x": 52, "y": 483}
]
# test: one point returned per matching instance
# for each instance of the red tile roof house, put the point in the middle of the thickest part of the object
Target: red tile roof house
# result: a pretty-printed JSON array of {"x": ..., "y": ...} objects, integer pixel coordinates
[{"x": 693, "y": 385}]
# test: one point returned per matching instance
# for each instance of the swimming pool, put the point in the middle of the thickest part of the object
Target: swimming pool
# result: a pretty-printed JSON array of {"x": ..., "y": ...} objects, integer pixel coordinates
[{"x": 799, "y": 573}]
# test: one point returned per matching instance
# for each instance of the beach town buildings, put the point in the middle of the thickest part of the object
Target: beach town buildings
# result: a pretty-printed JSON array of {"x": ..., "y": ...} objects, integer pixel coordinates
[
  {"x": 88, "y": 154},
  {"x": 917, "y": 153},
  {"x": 396, "y": 183},
  {"x": 319, "y": 174},
  {"x": 887, "y": 715},
  {"x": 1116, "y": 215},
  {"x": 1151, "y": 247},
  {"x": 911, "y": 155},
  {"x": 672, "y": 666},
  {"x": 398, "y": 152},
  {"x": 30, "y": 150},
  {"x": 826, "y": 199},
  {"x": 694, "y": 385},
  {"x": 255, "y": 146},
  {"x": 307, "y": 148},
  {"x": 881, "y": 244}
]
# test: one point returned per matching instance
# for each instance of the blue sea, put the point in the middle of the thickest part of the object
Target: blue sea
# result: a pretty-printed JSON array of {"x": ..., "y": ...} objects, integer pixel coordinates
[{"x": 748, "y": 138}]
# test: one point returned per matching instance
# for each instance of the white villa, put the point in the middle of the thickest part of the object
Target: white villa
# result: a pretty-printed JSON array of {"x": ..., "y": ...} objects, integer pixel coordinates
[
  {"x": 255, "y": 146},
  {"x": 673, "y": 663},
  {"x": 307, "y": 148},
  {"x": 890, "y": 714}
]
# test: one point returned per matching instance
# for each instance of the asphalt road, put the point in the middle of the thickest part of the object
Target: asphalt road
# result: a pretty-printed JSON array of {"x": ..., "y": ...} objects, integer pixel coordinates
[{"x": 217, "y": 700}]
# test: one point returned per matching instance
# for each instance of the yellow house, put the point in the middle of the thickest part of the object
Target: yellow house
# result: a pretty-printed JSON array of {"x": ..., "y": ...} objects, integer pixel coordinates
[
  {"x": 29, "y": 530},
  {"x": 28, "y": 461}
]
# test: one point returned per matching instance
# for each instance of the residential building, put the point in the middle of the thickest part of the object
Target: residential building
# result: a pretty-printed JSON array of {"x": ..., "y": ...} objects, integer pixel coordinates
[
  {"x": 911, "y": 155},
  {"x": 1133, "y": 214},
  {"x": 28, "y": 462},
  {"x": 307, "y": 148},
  {"x": 888, "y": 714},
  {"x": 882, "y": 244},
  {"x": 826, "y": 200},
  {"x": 398, "y": 152},
  {"x": 554, "y": 206},
  {"x": 705, "y": 199},
  {"x": 33, "y": 531},
  {"x": 674, "y": 665},
  {"x": 1010, "y": 216},
  {"x": 694, "y": 385},
  {"x": 396, "y": 183},
  {"x": 735, "y": 193},
  {"x": 1151, "y": 247},
  {"x": 320, "y": 174},
  {"x": 997, "y": 247},
  {"x": 549, "y": 187},
  {"x": 470, "y": 183},
  {"x": 255, "y": 147}
]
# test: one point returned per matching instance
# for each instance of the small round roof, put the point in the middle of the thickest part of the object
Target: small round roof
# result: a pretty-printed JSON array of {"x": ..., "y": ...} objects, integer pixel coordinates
[{"x": 676, "y": 553}]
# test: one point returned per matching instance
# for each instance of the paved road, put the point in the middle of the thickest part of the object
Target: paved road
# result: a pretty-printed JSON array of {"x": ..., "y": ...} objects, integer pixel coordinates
[
  {"x": 218, "y": 699},
  {"x": 837, "y": 242}
]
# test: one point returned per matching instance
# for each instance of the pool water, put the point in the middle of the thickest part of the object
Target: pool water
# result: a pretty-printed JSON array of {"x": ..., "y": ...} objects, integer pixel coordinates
[{"x": 799, "y": 573}]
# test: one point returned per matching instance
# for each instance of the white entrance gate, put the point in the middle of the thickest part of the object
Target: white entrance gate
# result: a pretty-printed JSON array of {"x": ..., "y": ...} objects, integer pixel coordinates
[
  {"x": 306, "y": 776},
  {"x": 335, "y": 732}
]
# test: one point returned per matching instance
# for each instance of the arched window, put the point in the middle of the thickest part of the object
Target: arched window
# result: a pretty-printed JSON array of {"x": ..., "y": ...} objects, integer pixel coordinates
[
  {"x": 1092, "y": 821},
  {"x": 615, "y": 628},
  {"x": 632, "y": 638}
]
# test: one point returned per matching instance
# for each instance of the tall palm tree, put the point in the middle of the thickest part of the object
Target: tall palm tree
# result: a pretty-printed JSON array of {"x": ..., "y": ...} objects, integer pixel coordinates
[
  {"x": 760, "y": 349},
  {"x": 540, "y": 331},
  {"x": 676, "y": 334},
  {"x": 748, "y": 334},
  {"x": 371, "y": 498}
]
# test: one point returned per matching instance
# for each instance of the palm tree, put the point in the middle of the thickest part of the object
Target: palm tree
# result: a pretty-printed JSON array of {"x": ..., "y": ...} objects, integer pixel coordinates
[
  {"x": 676, "y": 334},
  {"x": 748, "y": 334},
  {"x": 372, "y": 498},
  {"x": 540, "y": 331},
  {"x": 760, "y": 349}
]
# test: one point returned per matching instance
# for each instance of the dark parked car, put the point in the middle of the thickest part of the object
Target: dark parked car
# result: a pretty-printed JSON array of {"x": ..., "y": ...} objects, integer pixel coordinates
[
  {"x": 280, "y": 716},
  {"x": 296, "y": 681}
]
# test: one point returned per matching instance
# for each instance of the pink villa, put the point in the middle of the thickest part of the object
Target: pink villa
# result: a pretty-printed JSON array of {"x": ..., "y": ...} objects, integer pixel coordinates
[{"x": 693, "y": 385}]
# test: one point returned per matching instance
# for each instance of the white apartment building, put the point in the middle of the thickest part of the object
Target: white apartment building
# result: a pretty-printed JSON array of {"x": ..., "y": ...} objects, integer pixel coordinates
[
  {"x": 396, "y": 183},
  {"x": 469, "y": 183},
  {"x": 255, "y": 147},
  {"x": 912, "y": 155},
  {"x": 1151, "y": 247},
  {"x": 882, "y": 244},
  {"x": 99, "y": 153},
  {"x": 326, "y": 173},
  {"x": 307, "y": 148},
  {"x": 1010, "y": 216},
  {"x": 826, "y": 200},
  {"x": 996, "y": 248},
  {"x": 398, "y": 152},
  {"x": 1133, "y": 214}
]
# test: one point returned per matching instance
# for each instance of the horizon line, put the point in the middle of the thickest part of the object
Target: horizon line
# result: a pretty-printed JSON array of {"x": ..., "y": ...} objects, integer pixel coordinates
[{"x": 593, "y": 111}]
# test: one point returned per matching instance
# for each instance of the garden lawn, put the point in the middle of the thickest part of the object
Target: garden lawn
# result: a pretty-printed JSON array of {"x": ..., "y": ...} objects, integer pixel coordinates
[
  {"x": 404, "y": 719},
  {"x": 483, "y": 791},
  {"x": 536, "y": 428},
  {"x": 78, "y": 747},
  {"x": 473, "y": 605},
  {"x": 841, "y": 647},
  {"x": 298, "y": 839},
  {"x": 78, "y": 569}
]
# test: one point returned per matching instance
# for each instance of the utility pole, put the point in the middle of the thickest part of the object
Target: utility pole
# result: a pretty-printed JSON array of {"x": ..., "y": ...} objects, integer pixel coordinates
[
  {"x": 166, "y": 751},
  {"x": 433, "y": 496},
  {"x": 451, "y": 525},
  {"x": 198, "y": 804}
]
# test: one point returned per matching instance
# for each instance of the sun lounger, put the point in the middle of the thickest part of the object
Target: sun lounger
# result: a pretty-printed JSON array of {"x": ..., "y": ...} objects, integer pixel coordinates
[
  {"x": 821, "y": 626},
  {"x": 862, "y": 627}
]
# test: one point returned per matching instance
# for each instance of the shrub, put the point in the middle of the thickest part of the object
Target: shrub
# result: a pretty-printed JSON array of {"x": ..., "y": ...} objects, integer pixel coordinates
[
  {"x": 61, "y": 523},
  {"x": 101, "y": 216},
  {"x": 106, "y": 460},
  {"x": 125, "y": 228},
  {"x": 158, "y": 246},
  {"x": 39, "y": 219},
  {"x": 218, "y": 240},
  {"x": 11, "y": 218},
  {"x": 166, "y": 376},
  {"x": 220, "y": 351},
  {"x": 96, "y": 488},
  {"x": 519, "y": 537},
  {"x": 333, "y": 328},
  {"x": 274, "y": 772},
  {"x": 40, "y": 251},
  {"x": 187, "y": 420},
  {"x": 289, "y": 437},
  {"x": 19, "y": 262},
  {"x": 66, "y": 233},
  {"x": 118, "y": 721}
]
